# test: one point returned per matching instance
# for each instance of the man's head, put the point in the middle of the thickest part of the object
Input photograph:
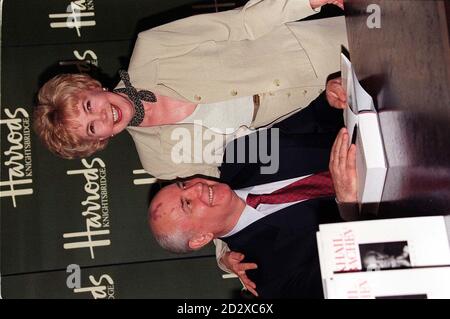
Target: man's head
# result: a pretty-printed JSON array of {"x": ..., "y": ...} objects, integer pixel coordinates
[{"x": 187, "y": 215}]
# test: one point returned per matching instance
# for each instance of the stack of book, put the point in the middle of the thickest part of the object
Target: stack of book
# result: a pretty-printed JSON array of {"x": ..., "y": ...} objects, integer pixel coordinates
[
  {"x": 361, "y": 120},
  {"x": 386, "y": 258}
]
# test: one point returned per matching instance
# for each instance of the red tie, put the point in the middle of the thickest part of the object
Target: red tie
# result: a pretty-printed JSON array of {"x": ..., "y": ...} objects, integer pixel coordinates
[{"x": 314, "y": 186}]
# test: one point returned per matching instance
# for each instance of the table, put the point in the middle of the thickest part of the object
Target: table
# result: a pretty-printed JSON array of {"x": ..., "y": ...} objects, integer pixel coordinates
[{"x": 405, "y": 66}]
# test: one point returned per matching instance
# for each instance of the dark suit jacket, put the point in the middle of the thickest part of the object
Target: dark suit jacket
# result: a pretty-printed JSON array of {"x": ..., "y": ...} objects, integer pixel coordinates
[{"x": 283, "y": 244}]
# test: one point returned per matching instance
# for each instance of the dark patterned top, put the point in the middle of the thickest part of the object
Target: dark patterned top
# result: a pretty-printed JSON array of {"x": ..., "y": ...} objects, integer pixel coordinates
[{"x": 136, "y": 97}]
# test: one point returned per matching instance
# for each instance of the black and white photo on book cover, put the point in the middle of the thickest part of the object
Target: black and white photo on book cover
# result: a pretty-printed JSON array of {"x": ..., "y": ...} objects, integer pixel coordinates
[{"x": 384, "y": 255}]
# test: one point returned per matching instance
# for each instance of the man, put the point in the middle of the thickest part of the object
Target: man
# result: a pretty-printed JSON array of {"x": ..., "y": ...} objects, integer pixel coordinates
[
  {"x": 280, "y": 239},
  {"x": 258, "y": 50}
]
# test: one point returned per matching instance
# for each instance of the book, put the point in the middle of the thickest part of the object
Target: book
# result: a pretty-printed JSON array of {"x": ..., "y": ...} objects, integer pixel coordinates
[
  {"x": 413, "y": 283},
  {"x": 321, "y": 263},
  {"x": 383, "y": 244},
  {"x": 361, "y": 120}
]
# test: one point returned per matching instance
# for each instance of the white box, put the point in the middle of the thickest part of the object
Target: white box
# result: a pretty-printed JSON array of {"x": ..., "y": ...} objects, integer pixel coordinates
[{"x": 361, "y": 120}]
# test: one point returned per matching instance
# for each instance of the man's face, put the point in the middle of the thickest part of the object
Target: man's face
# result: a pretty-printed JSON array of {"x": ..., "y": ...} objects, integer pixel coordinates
[
  {"x": 199, "y": 205},
  {"x": 376, "y": 263},
  {"x": 102, "y": 114}
]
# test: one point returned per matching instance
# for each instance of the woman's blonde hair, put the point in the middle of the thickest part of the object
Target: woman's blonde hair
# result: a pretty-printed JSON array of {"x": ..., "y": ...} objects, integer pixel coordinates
[{"x": 56, "y": 113}]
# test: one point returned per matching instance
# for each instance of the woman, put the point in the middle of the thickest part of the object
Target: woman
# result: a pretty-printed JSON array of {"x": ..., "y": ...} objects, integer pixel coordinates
[
  {"x": 250, "y": 62},
  {"x": 77, "y": 116}
]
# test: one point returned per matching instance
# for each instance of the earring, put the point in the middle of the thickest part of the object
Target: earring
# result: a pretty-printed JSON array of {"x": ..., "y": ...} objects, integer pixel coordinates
[{"x": 105, "y": 89}]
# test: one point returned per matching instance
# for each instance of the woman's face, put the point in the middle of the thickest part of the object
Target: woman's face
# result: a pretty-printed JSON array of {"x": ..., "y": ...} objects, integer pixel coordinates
[{"x": 102, "y": 114}]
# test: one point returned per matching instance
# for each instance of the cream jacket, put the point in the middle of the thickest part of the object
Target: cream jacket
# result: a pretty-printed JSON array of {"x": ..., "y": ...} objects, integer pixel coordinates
[{"x": 256, "y": 49}]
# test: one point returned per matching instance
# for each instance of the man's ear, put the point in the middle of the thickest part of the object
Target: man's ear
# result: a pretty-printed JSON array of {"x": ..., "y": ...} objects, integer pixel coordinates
[{"x": 200, "y": 240}]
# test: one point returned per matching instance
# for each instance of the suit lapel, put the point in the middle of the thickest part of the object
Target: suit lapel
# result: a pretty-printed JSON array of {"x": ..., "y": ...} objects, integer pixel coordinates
[{"x": 299, "y": 155}]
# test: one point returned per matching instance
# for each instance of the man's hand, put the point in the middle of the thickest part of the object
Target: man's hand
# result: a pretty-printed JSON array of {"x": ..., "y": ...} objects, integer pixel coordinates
[
  {"x": 232, "y": 260},
  {"x": 318, "y": 3},
  {"x": 343, "y": 168},
  {"x": 336, "y": 96}
]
